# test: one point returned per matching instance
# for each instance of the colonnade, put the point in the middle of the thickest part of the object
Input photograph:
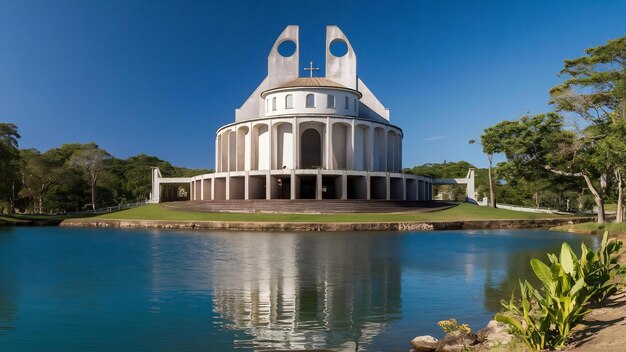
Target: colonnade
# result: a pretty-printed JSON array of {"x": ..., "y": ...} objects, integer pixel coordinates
[
  {"x": 310, "y": 184},
  {"x": 331, "y": 143}
]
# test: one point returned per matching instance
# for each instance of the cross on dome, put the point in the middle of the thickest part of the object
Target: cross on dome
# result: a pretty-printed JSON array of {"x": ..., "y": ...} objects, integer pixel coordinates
[{"x": 311, "y": 68}]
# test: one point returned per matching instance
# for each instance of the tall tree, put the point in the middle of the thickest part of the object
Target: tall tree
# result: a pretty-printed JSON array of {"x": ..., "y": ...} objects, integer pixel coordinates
[
  {"x": 90, "y": 160},
  {"x": 39, "y": 174},
  {"x": 595, "y": 90},
  {"x": 9, "y": 158},
  {"x": 492, "y": 144}
]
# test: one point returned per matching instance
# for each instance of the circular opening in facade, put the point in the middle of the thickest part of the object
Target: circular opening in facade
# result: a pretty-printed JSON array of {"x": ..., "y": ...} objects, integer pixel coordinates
[
  {"x": 287, "y": 48},
  {"x": 338, "y": 47}
]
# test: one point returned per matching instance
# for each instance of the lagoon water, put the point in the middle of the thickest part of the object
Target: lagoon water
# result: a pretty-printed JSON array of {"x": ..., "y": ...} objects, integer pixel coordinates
[{"x": 68, "y": 289}]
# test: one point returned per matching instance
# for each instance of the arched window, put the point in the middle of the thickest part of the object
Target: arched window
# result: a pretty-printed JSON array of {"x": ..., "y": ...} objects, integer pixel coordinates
[
  {"x": 274, "y": 104},
  {"x": 310, "y": 101},
  {"x": 355, "y": 104},
  {"x": 289, "y": 101},
  {"x": 347, "y": 106},
  {"x": 330, "y": 101}
]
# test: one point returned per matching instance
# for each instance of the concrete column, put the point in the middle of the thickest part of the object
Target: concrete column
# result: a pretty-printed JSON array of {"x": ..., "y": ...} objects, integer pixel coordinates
[
  {"x": 372, "y": 154},
  {"x": 293, "y": 184},
  {"x": 417, "y": 188},
  {"x": 228, "y": 151},
  {"x": 247, "y": 164},
  {"x": 329, "y": 162},
  {"x": 271, "y": 145},
  {"x": 202, "y": 187},
  {"x": 268, "y": 186},
  {"x": 217, "y": 157},
  {"x": 403, "y": 187},
  {"x": 386, "y": 154},
  {"x": 368, "y": 183},
  {"x": 295, "y": 130},
  {"x": 469, "y": 191},
  {"x": 246, "y": 185},
  {"x": 228, "y": 186},
  {"x": 350, "y": 162},
  {"x": 430, "y": 191},
  {"x": 400, "y": 151},
  {"x": 388, "y": 186},
  {"x": 318, "y": 185},
  {"x": 213, "y": 188},
  {"x": 156, "y": 186},
  {"x": 344, "y": 183}
]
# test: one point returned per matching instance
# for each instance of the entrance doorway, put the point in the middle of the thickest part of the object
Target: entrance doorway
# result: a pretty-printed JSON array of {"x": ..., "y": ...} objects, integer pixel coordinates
[
  {"x": 311, "y": 149},
  {"x": 307, "y": 187}
]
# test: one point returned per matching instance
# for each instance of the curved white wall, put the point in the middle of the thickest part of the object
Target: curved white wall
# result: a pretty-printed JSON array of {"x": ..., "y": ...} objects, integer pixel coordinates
[{"x": 321, "y": 107}]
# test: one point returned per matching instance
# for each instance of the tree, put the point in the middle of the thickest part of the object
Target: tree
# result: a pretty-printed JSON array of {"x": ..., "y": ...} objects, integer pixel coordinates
[
  {"x": 595, "y": 91},
  {"x": 90, "y": 160},
  {"x": 491, "y": 142},
  {"x": 39, "y": 174},
  {"x": 538, "y": 145},
  {"x": 9, "y": 159}
]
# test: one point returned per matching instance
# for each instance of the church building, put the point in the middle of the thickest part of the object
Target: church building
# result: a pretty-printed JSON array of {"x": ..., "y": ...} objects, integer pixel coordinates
[{"x": 305, "y": 138}]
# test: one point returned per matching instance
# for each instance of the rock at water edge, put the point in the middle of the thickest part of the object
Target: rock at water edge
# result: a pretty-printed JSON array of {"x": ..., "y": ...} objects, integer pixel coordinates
[{"x": 424, "y": 343}]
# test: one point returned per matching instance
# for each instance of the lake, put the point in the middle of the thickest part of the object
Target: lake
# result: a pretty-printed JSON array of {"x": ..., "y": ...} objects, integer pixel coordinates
[{"x": 78, "y": 289}]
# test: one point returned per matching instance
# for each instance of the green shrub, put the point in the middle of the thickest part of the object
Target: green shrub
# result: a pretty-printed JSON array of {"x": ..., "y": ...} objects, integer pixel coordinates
[{"x": 543, "y": 318}]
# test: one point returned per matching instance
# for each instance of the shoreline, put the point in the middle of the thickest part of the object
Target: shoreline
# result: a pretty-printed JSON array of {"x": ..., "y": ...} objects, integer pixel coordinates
[{"x": 325, "y": 226}]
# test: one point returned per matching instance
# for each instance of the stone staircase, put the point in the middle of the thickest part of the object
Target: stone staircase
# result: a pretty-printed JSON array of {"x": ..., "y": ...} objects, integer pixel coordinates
[{"x": 308, "y": 206}]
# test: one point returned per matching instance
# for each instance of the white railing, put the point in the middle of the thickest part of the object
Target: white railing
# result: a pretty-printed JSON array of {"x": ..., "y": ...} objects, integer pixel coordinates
[
  {"x": 103, "y": 210},
  {"x": 536, "y": 209}
]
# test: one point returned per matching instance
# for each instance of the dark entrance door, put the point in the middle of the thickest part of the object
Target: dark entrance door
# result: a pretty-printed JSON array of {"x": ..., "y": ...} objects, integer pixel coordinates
[
  {"x": 310, "y": 149},
  {"x": 307, "y": 188},
  {"x": 328, "y": 188}
]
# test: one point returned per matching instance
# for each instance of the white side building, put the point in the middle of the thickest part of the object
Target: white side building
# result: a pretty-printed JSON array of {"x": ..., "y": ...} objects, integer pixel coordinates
[{"x": 305, "y": 138}]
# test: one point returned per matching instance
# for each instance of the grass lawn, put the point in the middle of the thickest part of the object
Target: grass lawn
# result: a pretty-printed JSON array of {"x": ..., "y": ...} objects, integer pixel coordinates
[
  {"x": 594, "y": 228},
  {"x": 26, "y": 218},
  {"x": 460, "y": 212},
  {"x": 9, "y": 219}
]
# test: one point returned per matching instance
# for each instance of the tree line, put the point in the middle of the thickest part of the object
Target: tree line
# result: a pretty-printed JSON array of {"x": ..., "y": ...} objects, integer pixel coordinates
[
  {"x": 73, "y": 177},
  {"x": 582, "y": 141},
  {"x": 558, "y": 192}
]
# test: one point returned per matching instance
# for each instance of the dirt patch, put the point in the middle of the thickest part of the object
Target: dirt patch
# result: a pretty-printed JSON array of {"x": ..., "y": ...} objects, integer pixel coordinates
[{"x": 604, "y": 329}]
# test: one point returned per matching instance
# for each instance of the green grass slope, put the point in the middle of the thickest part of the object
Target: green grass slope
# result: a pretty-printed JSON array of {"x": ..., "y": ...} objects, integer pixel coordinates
[{"x": 457, "y": 213}]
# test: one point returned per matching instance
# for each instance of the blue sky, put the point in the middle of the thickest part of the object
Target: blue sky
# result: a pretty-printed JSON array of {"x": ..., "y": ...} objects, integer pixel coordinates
[{"x": 159, "y": 77}]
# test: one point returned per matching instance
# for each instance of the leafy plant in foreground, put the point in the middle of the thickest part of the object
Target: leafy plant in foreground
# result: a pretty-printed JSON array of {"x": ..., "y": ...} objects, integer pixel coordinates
[{"x": 543, "y": 318}]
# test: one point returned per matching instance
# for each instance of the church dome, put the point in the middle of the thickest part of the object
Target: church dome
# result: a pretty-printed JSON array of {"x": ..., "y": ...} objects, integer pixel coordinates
[{"x": 310, "y": 82}]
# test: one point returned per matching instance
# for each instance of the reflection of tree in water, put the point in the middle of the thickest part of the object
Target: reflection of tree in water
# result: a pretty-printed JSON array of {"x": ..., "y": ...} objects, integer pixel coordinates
[
  {"x": 8, "y": 289},
  {"x": 517, "y": 267},
  {"x": 308, "y": 291},
  {"x": 498, "y": 287}
]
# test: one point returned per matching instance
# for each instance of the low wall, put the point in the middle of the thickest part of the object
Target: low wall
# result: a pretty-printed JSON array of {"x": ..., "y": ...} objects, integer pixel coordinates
[{"x": 330, "y": 227}]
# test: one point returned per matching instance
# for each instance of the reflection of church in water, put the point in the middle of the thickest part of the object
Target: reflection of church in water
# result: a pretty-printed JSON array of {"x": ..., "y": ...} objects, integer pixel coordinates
[
  {"x": 305, "y": 138},
  {"x": 293, "y": 292}
]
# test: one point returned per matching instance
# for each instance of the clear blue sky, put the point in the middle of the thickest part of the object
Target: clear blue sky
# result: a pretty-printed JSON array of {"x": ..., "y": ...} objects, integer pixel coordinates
[{"x": 159, "y": 77}]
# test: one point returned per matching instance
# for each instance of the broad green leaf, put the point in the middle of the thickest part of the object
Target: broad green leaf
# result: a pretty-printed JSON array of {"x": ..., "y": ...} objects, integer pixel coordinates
[
  {"x": 542, "y": 271},
  {"x": 510, "y": 321},
  {"x": 577, "y": 286},
  {"x": 566, "y": 259}
]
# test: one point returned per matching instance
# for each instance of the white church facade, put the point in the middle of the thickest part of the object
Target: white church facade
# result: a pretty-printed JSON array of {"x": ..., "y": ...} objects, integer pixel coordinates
[{"x": 305, "y": 138}]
